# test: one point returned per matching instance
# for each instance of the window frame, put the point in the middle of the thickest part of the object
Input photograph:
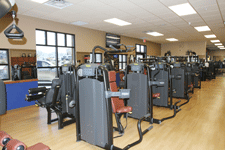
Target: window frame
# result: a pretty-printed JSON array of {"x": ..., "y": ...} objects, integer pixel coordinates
[
  {"x": 144, "y": 54},
  {"x": 7, "y": 52},
  {"x": 56, "y": 46},
  {"x": 95, "y": 57},
  {"x": 122, "y": 62}
]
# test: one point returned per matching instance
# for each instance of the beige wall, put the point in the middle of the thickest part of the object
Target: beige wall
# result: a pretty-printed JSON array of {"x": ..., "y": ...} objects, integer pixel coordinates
[
  {"x": 153, "y": 49},
  {"x": 220, "y": 54},
  {"x": 180, "y": 48},
  {"x": 86, "y": 39}
]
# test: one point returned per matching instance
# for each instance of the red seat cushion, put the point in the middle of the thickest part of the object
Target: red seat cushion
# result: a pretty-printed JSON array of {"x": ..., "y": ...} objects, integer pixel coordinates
[
  {"x": 156, "y": 95},
  {"x": 3, "y": 135},
  {"x": 38, "y": 146},
  {"x": 112, "y": 76},
  {"x": 14, "y": 144},
  {"x": 117, "y": 103},
  {"x": 125, "y": 109}
]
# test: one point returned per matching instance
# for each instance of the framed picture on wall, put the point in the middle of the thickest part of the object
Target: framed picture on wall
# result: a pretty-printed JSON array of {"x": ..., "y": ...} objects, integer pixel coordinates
[{"x": 112, "y": 39}]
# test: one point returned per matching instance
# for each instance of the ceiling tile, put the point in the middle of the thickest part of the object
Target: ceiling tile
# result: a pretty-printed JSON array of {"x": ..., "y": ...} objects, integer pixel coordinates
[{"x": 173, "y": 2}]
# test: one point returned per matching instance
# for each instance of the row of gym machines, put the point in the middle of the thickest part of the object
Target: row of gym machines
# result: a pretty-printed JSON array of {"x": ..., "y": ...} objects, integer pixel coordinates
[{"x": 88, "y": 94}]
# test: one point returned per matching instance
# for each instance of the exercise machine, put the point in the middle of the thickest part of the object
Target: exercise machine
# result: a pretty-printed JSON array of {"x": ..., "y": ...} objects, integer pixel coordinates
[
  {"x": 3, "y": 101},
  {"x": 5, "y": 7},
  {"x": 8, "y": 143},
  {"x": 180, "y": 81},
  {"x": 94, "y": 122},
  {"x": 59, "y": 99},
  {"x": 141, "y": 85}
]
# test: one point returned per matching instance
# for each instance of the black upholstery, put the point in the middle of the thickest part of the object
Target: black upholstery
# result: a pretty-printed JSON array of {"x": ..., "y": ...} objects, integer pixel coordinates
[{"x": 52, "y": 93}]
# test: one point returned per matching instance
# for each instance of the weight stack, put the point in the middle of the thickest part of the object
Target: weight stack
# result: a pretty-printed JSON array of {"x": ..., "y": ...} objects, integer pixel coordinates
[{"x": 3, "y": 103}]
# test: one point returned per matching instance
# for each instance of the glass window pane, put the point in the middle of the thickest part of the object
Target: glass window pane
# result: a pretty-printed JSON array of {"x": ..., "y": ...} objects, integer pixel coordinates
[
  {"x": 61, "y": 39},
  {"x": 120, "y": 58},
  {"x": 70, "y": 40},
  {"x": 46, "y": 54},
  {"x": 124, "y": 58},
  {"x": 124, "y": 65},
  {"x": 138, "y": 48},
  {"x": 46, "y": 73},
  {"x": 4, "y": 74},
  {"x": 142, "y": 48},
  {"x": 98, "y": 58},
  {"x": 139, "y": 56},
  {"x": 64, "y": 56},
  {"x": 40, "y": 37},
  {"x": 120, "y": 65},
  {"x": 90, "y": 57},
  {"x": 3, "y": 57},
  {"x": 51, "y": 38}
]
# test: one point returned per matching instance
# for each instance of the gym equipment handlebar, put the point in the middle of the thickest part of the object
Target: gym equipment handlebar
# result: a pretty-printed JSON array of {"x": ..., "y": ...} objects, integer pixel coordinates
[{"x": 37, "y": 90}]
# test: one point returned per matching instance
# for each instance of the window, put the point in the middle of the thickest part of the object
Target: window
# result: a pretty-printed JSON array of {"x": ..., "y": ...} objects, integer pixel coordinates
[
  {"x": 4, "y": 64},
  {"x": 141, "y": 51},
  {"x": 122, "y": 61},
  {"x": 98, "y": 57},
  {"x": 53, "y": 49}
]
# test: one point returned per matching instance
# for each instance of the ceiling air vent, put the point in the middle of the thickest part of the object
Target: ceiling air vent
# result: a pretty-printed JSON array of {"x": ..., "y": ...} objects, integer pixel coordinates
[{"x": 58, "y": 3}]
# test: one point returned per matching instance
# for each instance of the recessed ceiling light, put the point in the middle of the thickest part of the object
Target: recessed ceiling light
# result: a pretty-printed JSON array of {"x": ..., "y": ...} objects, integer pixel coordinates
[
  {"x": 220, "y": 46},
  {"x": 172, "y": 39},
  {"x": 215, "y": 41},
  {"x": 40, "y": 1},
  {"x": 217, "y": 44},
  {"x": 117, "y": 22},
  {"x": 183, "y": 9},
  {"x": 202, "y": 28},
  {"x": 210, "y": 36},
  {"x": 155, "y": 33},
  {"x": 79, "y": 23}
]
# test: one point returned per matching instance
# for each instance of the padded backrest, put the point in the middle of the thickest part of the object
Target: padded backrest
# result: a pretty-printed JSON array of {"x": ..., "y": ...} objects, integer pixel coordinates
[
  {"x": 112, "y": 76},
  {"x": 116, "y": 102},
  {"x": 52, "y": 94}
]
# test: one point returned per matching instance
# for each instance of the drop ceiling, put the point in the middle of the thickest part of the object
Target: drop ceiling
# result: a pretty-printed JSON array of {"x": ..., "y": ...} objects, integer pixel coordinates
[{"x": 145, "y": 16}]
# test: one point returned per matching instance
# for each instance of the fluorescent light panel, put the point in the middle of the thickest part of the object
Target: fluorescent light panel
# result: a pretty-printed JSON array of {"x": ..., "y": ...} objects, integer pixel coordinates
[
  {"x": 172, "y": 39},
  {"x": 183, "y": 9},
  {"x": 217, "y": 44},
  {"x": 118, "y": 22},
  {"x": 220, "y": 46},
  {"x": 202, "y": 28},
  {"x": 210, "y": 36},
  {"x": 39, "y": 1},
  {"x": 215, "y": 41},
  {"x": 155, "y": 34}
]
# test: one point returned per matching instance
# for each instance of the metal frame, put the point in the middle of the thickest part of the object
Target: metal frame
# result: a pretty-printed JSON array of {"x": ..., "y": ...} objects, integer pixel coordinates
[
  {"x": 56, "y": 46},
  {"x": 7, "y": 52}
]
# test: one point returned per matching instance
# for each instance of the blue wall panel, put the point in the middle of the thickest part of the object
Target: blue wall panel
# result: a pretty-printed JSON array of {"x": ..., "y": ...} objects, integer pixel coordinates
[{"x": 16, "y": 94}]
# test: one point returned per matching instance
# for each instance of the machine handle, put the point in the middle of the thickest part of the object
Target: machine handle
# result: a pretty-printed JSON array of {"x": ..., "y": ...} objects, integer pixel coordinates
[{"x": 18, "y": 35}]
